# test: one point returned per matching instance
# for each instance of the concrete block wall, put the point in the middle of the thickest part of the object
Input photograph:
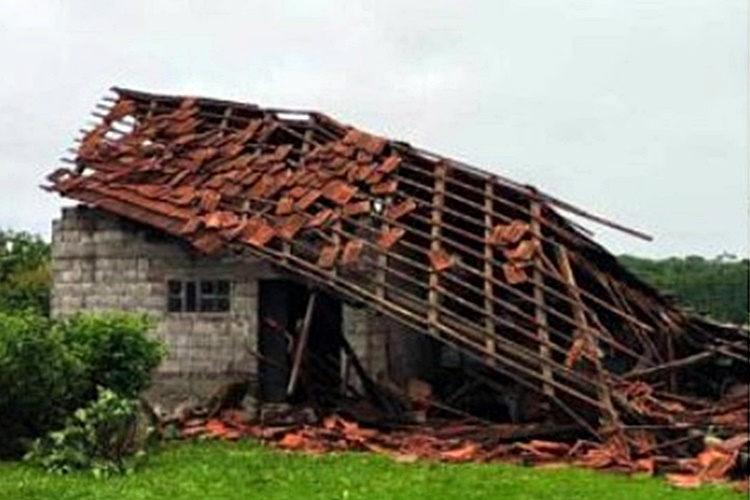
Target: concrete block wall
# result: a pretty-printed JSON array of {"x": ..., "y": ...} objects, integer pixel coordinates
[
  {"x": 367, "y": 334},
  {"x": 101, "y": 262}
]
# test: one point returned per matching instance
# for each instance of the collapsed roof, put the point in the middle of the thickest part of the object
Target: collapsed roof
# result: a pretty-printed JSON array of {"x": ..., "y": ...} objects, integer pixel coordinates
[{"x": 480, "y": 262}]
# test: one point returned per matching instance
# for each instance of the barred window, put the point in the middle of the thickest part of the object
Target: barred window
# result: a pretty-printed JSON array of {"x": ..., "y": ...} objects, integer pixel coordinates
[{"x": 198, "y": 296}]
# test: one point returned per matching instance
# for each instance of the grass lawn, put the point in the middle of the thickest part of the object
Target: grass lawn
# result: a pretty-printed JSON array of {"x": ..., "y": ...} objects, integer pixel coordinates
[{"x": 216, "y": 470}]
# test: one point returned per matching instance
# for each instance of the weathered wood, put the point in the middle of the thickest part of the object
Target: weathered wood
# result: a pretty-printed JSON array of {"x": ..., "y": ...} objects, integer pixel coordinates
[
  {"x": 611, "y": 416},
  {"x": 299, "y": 348},
  {"x": 677, "y": 364},
  {"x": 433, "y": 297},
  {"x": 489, "y": 323},
  {"x": 381, "y": 274},
  {"x": 540, "y": 313}
]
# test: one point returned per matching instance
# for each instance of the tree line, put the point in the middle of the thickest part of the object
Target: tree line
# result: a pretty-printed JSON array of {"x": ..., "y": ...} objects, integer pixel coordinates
[{"x": 717, "y": 287}]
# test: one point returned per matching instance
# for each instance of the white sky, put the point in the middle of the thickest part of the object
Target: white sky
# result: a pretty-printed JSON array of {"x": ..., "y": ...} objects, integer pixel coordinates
[{"x": 636, "y": 110}]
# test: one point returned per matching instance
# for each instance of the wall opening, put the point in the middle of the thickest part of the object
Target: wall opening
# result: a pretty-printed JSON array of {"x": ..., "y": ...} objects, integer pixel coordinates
[{"x": 282, "y": 307}]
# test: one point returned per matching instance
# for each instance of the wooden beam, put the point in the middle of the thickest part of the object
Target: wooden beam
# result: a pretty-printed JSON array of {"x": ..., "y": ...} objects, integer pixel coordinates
[
  {"x": 489, "y": 288},
  {"x": 299, "y": 350},
  {"x": 438, "y": 201},
  {"x": 611, "y": 417},
  {"x": 539, "y": 311},
  {"x": 381, "y": 274}
]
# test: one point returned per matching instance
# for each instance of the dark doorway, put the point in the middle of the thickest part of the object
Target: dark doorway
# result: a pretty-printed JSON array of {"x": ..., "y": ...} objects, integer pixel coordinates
[{"x": 282, "y": 306}]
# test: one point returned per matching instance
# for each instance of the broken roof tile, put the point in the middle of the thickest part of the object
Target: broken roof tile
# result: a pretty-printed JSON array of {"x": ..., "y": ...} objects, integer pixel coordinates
[
  {"x": 525, "y": 250},
  {"x": 328, "y": 255},
  {"x": 320, "y": 218},
  {"x": 282, "y": 152},
  {"x": 440, "y": 260},
  {"x": 339, "y": 191},
  {"x": 245, "y": 135},
  {"x": 395, "y": 212},
  {"x": 390, "y": 164},
  {"x": 343, "y": 151},
  {"x": 373, "y": 145},
  {"x": 220, "y": 220},
  {"x": 208, "y": 242},
  {"x": 121, "y": 109},
  {"x": 508, "y": 234},
  {"x": 210, "y": 200},
  {"x": 285, "y": 206},
  {"x": 291, "y": 225},
  {"x": 307, "y": 200},
  {"x": 361, "y": 173},
  {"x": 514, "y": 273},
  {"x": 387, "y": 187},
  {"x": 352, "y": 251},
  {"x": 389, "y": 237},
  {"x": 363, "y": 158},
  {"x": 191, "y": 226},
  {"x": 231, "y": 150},
  {"x": 357, "y": 208},
  {"x": 202, "y": 155},
  {"x": 260, "y": 234},
  {"x": 182, "y": 195},
  {"x": 297, "y": 192},
  {"x": 352, "y": 137}
]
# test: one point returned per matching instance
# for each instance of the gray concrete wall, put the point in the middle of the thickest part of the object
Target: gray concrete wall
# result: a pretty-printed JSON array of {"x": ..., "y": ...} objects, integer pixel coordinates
[{"x": 101, "y": 262}]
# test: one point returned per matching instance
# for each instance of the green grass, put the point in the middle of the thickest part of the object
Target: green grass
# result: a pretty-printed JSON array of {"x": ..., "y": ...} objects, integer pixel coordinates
[{"x": 214, "y": 470}]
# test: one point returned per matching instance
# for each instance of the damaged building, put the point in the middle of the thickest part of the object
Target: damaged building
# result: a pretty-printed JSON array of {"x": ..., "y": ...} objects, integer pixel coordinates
[{"x": 322, "y": 262}]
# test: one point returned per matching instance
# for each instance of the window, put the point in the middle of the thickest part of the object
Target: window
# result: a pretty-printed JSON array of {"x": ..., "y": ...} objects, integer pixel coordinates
[{"x": 198, "y": 296}]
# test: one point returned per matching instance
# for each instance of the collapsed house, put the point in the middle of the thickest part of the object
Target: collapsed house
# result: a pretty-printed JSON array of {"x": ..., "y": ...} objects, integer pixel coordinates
[{"x": 323, "y": 262}]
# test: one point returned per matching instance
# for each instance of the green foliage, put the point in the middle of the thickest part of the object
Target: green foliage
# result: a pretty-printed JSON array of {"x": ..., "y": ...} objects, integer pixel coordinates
[
  {"x": 717, "y": 287},
  {"x": 98, "y": 437},
  {"x": 36, "y": 370},
  {"x": 49, "y": 368},
  {"x": 114, "y": 351},
  {"x": 24, "y": 272}
]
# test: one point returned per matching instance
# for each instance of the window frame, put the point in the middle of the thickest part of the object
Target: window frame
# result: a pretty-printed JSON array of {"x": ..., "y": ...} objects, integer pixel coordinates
[{"x": 190, "y": 296}]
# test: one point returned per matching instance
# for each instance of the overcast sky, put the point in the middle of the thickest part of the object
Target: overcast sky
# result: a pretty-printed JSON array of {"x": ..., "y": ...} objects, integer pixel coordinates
[{"x": 636, "y": 110}]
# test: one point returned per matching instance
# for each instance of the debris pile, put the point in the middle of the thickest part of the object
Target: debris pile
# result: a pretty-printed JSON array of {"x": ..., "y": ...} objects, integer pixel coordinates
[{"x": 463, "y": 441}]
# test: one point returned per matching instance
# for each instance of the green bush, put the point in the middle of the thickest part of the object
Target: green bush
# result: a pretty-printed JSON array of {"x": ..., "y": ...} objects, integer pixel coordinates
[
  {"x": 24, "y": 272},
  {"x": 98, "y": 437},
  {"x": 114, "y": 351},
  {"x": 50, "y": 368},
  {"x": 36, "y": 371}
]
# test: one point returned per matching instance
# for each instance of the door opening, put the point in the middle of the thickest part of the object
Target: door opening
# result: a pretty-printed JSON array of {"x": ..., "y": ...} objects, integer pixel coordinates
[{"x": 282, "y": 308}]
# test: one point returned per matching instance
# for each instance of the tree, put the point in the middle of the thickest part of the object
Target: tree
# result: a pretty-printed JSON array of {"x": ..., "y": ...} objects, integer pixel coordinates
[{"x": 24, "y": 272}]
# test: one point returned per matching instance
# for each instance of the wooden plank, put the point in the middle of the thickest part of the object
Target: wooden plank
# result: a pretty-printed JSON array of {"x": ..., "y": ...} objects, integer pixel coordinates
[
  {"x": 436, "y": 221},
  {"x": 539, "y": 311},
  {"x": 489, "y": 307},
  {"x": 381, "y": 272},
  {"x": 605, "y": 397},
  {"x": 299, "y": 350}
]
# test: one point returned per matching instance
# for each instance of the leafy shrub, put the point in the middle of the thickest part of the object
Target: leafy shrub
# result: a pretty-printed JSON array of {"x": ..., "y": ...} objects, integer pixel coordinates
[
  {"x": 50, "y": 368},
  {"x": 114, "y": 351},
  {"x": 36, "y": 371},
  {"x": 98, "y": 437}
]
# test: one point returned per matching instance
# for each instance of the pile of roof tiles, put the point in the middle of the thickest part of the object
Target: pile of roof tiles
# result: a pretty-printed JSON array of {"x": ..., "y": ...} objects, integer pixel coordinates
[
  {"x": 206, "y": 187},
  {"x": 719, "y": 461}
]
